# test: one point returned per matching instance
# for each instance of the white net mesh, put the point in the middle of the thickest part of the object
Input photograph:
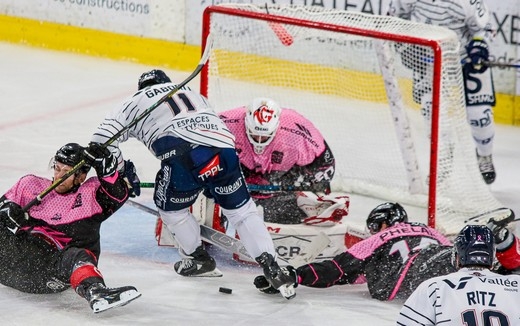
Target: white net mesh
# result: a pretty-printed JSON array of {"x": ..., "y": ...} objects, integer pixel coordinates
[{"x": 350, "y": 73}]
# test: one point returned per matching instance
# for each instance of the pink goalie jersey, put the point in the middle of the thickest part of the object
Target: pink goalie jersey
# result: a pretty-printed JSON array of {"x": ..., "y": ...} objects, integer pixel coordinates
[{"x": 297, "y": 142}]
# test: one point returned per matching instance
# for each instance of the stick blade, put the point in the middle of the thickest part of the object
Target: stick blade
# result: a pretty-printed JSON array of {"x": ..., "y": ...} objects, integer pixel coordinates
[{"x": 496, "y": 214}]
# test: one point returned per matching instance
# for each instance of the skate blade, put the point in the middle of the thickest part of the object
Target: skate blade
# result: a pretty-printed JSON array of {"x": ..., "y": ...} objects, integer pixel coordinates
[
  {"x": 287, "y": 291},
  {"x": 124, "y": 299}
]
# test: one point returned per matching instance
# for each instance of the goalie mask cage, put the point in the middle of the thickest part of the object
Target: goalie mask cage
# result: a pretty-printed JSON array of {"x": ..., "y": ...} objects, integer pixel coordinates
[{"x": 349, "y": 73}]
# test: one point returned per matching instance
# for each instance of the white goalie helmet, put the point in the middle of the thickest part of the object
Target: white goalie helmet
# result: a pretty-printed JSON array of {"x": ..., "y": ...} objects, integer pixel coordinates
[{"x": 262, "y": 121}]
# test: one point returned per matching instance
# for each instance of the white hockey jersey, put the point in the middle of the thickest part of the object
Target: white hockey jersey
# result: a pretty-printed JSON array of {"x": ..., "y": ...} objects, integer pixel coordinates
[
  {"x": 468, "y": 19},
  {"x": 466, "y": 297},
  {"x": 186, "y": 115}
]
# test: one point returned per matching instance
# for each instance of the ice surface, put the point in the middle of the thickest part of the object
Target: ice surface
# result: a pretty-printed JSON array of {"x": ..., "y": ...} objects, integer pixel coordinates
[{"x": 51, "y": 98}]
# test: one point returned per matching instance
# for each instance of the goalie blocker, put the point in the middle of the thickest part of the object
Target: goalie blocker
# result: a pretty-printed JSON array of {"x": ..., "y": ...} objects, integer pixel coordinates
[{"x": 325, "y": 213}]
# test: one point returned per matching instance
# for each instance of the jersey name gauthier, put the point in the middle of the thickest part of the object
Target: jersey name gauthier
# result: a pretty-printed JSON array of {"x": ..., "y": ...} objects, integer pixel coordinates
[{"x": 405, "y": 229}]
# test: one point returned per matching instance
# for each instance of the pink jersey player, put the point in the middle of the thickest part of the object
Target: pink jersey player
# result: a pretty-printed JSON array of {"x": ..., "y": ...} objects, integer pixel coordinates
[{"x": 280, "y": 152}]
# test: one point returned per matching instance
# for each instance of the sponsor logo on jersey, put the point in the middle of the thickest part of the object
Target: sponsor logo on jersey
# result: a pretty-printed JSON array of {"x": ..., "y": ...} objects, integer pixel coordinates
[
  {"x": 301, "y": 133},
  {"x": 484, "y": 121},
  {"x": 167, "y": 155},
  {"x": 162, "y": 185},
  {"x": 303, "y": 129},
  {"x": 460, "y": 285},
  {"x": 56, "y": 217},
  {"x": 211, "y": 169},
  {"x": 499, "y": 281},
  {"x": 186, "y": 122},
  {"x": 199, "y": 122},
  {"x": 233, "y": 121},
  {"x": 184, "y": 200},
  {"x": 226, "y": 190},
  {"x": 505, "y": 282},
  {"x": 481, "y": 99},
  {"x": 78, "y": 202}
]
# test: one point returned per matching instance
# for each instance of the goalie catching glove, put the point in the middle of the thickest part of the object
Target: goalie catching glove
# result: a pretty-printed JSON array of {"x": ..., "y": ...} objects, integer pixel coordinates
[
  {"x": 322, "y": 210},
  {"x": 264, "y": 286},
  {"x": 12, "y": 216}
]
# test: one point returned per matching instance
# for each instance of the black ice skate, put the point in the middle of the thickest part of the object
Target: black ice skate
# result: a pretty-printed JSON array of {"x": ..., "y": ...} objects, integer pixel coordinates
[
  {"x": 102, "y": 298},
  {"x": 487, "y": 169},
  {"x": 277, "y": 276},
  {"x": 199, "y": 263}
]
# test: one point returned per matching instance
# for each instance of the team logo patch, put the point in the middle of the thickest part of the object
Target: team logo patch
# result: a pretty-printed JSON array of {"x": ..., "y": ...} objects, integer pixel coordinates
[
  {"x": 56, "y": 285},
  {"x": 211, "y": 169},
  {"x": 78, "y": 202},
  {"x": 276, "y": 157},
  {"x": 263, "y": 114}
]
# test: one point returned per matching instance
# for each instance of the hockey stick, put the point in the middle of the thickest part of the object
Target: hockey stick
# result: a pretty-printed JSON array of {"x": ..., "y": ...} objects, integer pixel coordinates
[
  {"x": 176, "y": 88},
  {"x": 234, "y": 245},
  {"x": 493, "y": 64},
  {"x": 501, "y": 64},
  {"x": 497, "y": 214},
  {"x": 271, "y": 188}
]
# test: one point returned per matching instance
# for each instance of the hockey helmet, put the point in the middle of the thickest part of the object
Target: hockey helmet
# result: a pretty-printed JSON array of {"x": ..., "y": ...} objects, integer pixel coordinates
[
  {"x": 152, "y": 77},
  {"x": 262, "y": 121},
  {"x": 71, "y": 154},
  {"x": 474, "y": 246},
  {"x": 389, "y": 213}
]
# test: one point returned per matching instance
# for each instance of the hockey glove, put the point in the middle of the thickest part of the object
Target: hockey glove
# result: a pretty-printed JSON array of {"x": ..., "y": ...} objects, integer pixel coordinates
[
  {"x": 478, "y": 54},
  {"x": 12, "y": 216},
  {"x": 263, "y": 285},
  {"x": 101, "y": 159},
  {"x": 132, "y": 180},
  {"x": 503, "y": 237}
]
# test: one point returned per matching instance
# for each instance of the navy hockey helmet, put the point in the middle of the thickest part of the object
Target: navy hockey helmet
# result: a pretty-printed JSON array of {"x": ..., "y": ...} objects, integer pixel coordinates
[
  {"x": 475, "y": 246},
  {"x": 71, "y": 154},
  {"x": 152, "y": 77},
  {"x": 389, "y": 213}
]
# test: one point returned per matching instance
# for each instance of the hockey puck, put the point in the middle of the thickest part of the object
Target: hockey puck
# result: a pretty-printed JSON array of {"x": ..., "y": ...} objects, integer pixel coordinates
[{"x": 224, "y": 290}]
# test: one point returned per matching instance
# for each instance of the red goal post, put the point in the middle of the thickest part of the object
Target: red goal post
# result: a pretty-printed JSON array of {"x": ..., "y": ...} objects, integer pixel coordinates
[{"x": 350, "y": 73}]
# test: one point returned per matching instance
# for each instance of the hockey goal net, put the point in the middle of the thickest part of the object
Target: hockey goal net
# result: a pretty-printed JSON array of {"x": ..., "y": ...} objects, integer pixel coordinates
[{"x": 350, "y": 74}]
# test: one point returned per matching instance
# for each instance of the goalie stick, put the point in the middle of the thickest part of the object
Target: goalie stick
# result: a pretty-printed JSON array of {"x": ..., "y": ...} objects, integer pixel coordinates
[
  {"x": 234, "y": 245},
  {"x": 176, "y": 88},
  {"x": 271, "y": 188}
]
